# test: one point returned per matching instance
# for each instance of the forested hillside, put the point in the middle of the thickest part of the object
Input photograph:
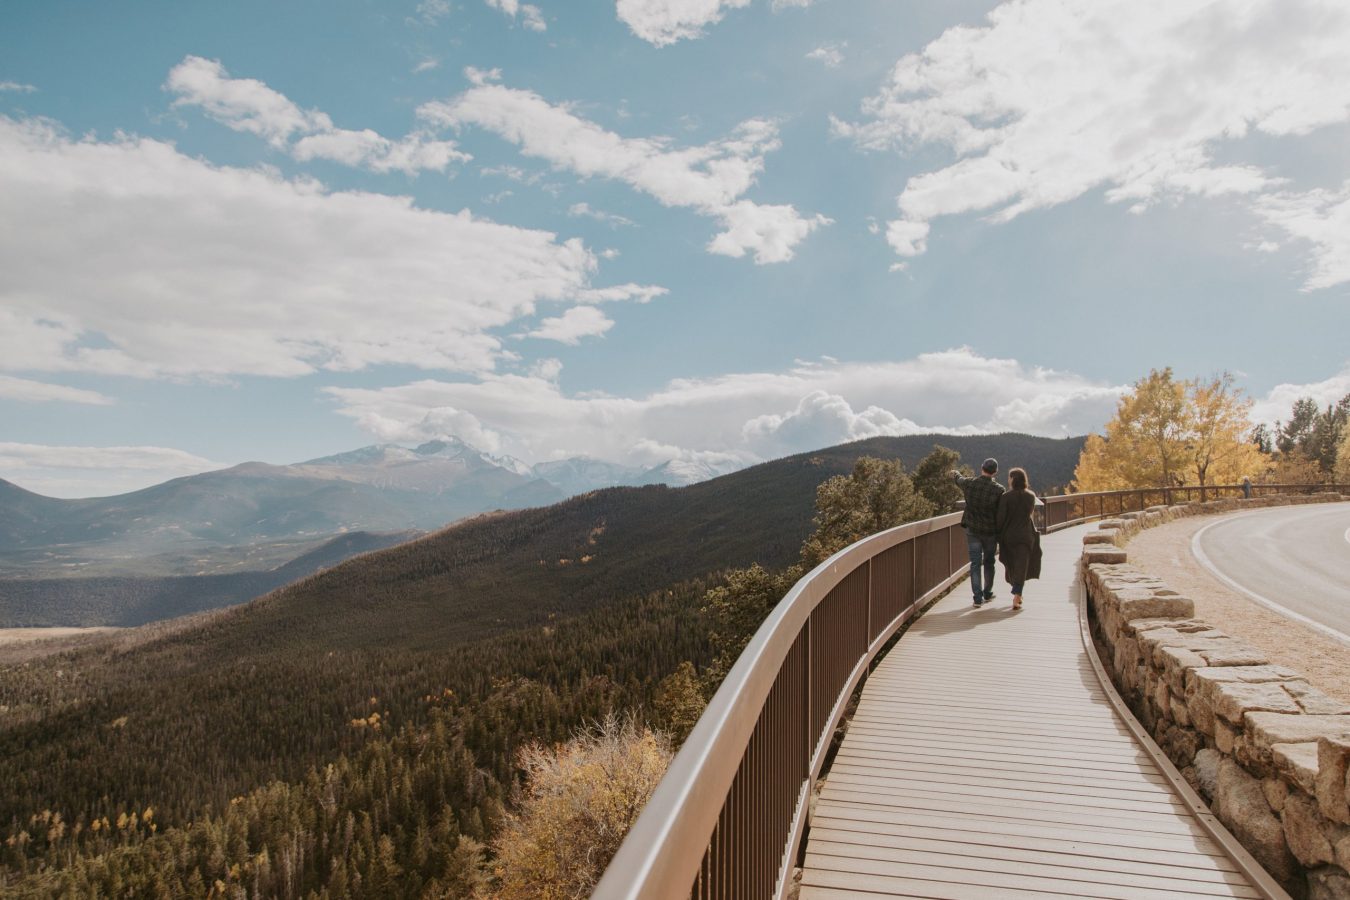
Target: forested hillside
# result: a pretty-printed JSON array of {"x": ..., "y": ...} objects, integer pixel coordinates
[{"x": 384, "y": 699}]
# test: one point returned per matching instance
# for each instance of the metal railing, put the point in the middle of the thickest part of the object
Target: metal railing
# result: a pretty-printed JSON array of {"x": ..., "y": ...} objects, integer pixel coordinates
[
  {"x": 1063, "y": 510},
  {"x": 728, "y": 817}
]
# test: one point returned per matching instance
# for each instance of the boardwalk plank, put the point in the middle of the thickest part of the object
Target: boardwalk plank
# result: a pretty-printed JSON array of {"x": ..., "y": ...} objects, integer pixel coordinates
[{"x": 985, "y": 761}]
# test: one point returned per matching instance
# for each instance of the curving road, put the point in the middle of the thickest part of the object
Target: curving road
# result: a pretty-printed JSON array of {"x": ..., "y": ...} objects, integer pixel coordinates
[{"x": 1295, "y": 560}]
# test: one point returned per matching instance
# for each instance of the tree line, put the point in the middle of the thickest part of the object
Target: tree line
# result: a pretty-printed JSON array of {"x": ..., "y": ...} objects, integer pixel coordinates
[{"x": 1170, "y": 432}]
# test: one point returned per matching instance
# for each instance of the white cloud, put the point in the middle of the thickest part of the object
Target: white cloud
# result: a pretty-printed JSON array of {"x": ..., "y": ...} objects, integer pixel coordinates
[
  {"x": 532, "y": 16},
  {"x": 16, "y": 87},
  {"x": 426, "y": 65},
  {"x": 637, "y": 293},
  {"x": 1322, "y": 219},
  {"x": 63, "y": 471},
  {"x": 748, "y": 416},
  {"x": 832, "y": 55},
  {"x": 573, "y": 325},
  {"x": 1051, "y": 100},
  {"x": 128, "y": 257},
  {"x": 709, "y": 178},
  {"x": 26, "y": 391},
  {"x": 663, "y": 22},
  {"x": 580, "y": 210},
  {"x": 249, "y": 105},
  {"x": 432, "y": 11},
  {"x": 1276, "y": 405},
  {"x": 822, "y": 419}
]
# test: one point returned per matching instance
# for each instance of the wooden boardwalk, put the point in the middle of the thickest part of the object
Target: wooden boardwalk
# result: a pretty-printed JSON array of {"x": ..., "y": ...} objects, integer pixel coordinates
[{"x": 985, "y": 761}]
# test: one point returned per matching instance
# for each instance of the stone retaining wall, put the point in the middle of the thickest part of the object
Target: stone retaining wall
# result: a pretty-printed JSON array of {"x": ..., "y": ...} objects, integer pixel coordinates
[{"x": 1269, "y": 752}]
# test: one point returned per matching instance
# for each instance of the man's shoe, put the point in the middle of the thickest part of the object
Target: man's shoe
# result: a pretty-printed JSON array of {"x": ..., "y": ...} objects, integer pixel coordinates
[
  {"x": 978, "y": 603},
  {"x": 988, "y": 595}
]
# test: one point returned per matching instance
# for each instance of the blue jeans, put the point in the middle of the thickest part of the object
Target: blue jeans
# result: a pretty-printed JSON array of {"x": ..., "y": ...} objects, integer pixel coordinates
[{"x": 982, "y": 549}]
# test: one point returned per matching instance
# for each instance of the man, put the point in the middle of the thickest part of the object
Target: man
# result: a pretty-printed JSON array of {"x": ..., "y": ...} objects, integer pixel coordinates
[{"x": 981, "y": 525}]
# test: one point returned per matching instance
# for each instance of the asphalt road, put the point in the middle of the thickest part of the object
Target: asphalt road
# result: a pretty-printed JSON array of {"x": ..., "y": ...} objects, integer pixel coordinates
[{"x": 1294, "y": 559}]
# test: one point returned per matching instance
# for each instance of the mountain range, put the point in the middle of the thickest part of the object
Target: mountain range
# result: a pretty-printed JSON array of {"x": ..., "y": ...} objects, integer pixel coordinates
[
  {"x": 224, "y": 537},
  {"x": 256, "y": 516}
]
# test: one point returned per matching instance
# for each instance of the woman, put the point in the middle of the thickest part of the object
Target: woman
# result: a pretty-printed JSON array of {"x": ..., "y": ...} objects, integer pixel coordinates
[{"x": 1019, "y": 546}]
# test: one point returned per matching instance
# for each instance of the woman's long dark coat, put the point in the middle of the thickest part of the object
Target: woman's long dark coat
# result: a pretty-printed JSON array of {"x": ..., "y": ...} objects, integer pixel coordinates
[{"x": 1019, "y": 546}]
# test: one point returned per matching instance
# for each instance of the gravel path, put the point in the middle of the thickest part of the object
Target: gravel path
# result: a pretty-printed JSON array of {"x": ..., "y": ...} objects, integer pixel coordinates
[{"x": 1165, "y": 551}]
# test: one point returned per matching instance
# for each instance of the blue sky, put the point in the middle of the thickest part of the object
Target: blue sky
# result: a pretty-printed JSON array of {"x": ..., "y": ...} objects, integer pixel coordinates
[{"x": 707, "y": 231}]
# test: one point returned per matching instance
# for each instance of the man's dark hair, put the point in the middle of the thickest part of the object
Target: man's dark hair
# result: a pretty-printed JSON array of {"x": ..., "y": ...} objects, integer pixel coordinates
[{"x": 990, "y": 466}]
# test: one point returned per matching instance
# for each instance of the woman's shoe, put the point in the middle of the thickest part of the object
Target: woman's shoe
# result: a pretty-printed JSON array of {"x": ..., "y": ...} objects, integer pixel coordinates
[{"x": 1017, "y": 602}]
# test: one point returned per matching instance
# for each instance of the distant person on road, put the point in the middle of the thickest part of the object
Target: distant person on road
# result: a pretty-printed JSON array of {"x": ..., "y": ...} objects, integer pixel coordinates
[
  {"x": 980, "y": 522},
  {"x": 1019, "y": 546}
]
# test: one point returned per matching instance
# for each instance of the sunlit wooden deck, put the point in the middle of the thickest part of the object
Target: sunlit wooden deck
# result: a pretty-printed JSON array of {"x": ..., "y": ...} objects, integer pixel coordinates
[{"x": 986, "y": 761}]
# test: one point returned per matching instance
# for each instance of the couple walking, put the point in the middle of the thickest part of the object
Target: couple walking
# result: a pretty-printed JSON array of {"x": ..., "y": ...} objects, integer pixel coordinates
[{"x": 999, "y": 519}]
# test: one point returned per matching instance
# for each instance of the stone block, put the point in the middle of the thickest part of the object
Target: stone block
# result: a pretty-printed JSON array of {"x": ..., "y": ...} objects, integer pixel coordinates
[
  {"x": 1175, "y": 662},
  {"x": 1262, "y": 730},
  {"x": 1276, "y": 728},
  {"x": 1106, "y": 536},
  {"x": 1297, "y": 763},
  {"x": 1276, "y": 791},
  {"x": 1240, "y": 803},
  {"x": 1206, "y": 765},
  {"x": 1236, "y": 654},
  {"x": 1314, "y": 702},
  {"x": 1101, "y": 554},
  {"x": 1161, "y": 695},
  {"x": 1154, "y": 606},
  {"x": 1181, "y": 745},
  {"x": 1225, "y": 737},
  {"x": 1180, "y": 714},
  {"x": 1252, "y": 674},
  {"x": 1340, "y": 841},
  {"x": 1328, "y": 883},
  {"x": 1303, "y": 832},
  {"x": 1231, "y": 700},
  {"x": 1333, "y": 778}
]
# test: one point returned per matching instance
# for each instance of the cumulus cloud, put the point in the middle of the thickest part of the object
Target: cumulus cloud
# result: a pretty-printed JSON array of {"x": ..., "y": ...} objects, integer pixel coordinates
[
  {"x": 573, "y": 325},
  {"x": 64, "y": 471},
  {"x": 663, "y": 22},
  {"x": 1321, "y": 218},
  {"x": 26, "y": 391},
  {"x": 743, "y": 418},
  {"x": 127, "y": 257},
  {"x": 250, "y": 106},
  {"x": 531, "y": 16},
  {"x": 1050, "y": 100},
  {"x": 710, "y": 178},
  {"x": 831, "y": 55},
  {"x": 16, "y": 87},
  {"x": 1276, "y": 405}
]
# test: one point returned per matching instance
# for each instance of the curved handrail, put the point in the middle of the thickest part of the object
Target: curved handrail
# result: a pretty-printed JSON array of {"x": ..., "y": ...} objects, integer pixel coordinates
[
  {"x": 666, "y": 851},
  {"x": 726, "y": 819}
]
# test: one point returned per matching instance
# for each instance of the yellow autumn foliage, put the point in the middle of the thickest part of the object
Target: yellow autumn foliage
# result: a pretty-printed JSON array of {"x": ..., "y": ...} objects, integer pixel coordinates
[
  {"x": 580, "y": 799},
  {"x": 1170, "y": 433}
]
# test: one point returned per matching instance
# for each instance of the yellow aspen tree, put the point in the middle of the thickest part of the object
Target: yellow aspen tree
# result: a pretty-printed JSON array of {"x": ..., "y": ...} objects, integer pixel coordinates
[
  {"x": 1220, "y": 450},
  {"x": 1145, "y": 442}
]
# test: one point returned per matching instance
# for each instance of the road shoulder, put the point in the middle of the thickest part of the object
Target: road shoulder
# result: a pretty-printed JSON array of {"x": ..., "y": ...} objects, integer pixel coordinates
[{"x": 1165, "y": 551}]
